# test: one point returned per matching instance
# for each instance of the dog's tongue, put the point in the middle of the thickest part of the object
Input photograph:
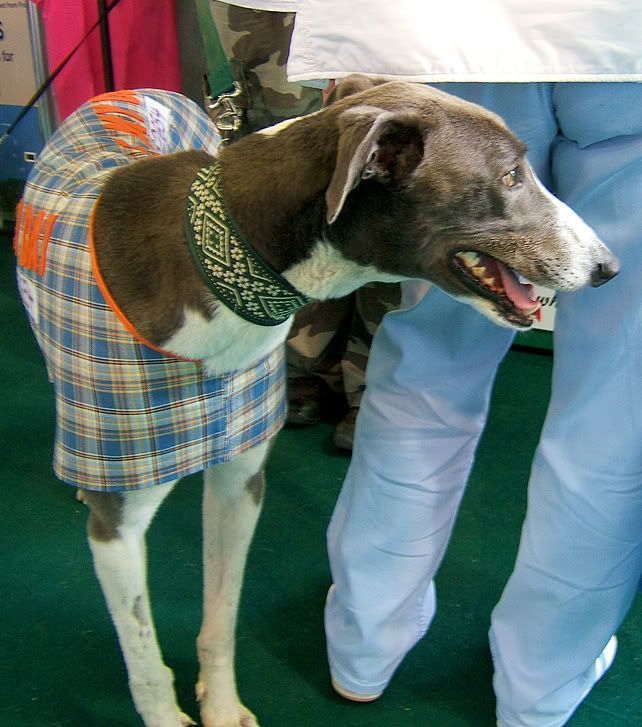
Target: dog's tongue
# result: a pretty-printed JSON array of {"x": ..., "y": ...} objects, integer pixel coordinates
[{"x": 521, "y": 295}]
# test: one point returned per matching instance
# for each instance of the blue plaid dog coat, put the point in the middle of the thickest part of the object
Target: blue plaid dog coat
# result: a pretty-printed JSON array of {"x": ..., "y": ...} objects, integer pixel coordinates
[{"x": 128, "y": 416}]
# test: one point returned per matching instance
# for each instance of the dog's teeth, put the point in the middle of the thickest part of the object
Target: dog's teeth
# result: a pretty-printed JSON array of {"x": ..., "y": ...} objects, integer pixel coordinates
[
  {"x": 490, "y": 282},
  {"x": 469, "y": 258},
  {"x": 478, "y": 272}
]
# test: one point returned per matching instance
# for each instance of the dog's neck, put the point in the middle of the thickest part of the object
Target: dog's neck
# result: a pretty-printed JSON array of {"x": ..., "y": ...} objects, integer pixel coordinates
[
  {"x": 274, "y": 185},
  {"x": 280, "y": 205}
]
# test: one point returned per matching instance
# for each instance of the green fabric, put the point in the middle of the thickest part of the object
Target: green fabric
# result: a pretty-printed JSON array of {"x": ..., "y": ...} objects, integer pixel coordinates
[
  {"x": 219, "y": 73},
  {"x": 536, "y": 339},
  {"x": 61, "y": 665}
]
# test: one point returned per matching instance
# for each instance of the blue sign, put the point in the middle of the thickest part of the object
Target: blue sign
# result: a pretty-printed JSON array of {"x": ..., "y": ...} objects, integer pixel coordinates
[{"x": 21, "y": 147}]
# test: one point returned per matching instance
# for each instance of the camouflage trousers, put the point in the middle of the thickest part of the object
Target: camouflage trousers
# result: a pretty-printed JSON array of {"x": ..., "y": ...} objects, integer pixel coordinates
[
  {"x": 329, "y": 339},
  {"x": 257, "y": 44}
]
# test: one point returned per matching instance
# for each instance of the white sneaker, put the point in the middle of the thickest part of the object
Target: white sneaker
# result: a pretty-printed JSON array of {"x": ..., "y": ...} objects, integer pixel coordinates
[
  {"x": 353, "y": 696},
  {"x": 602, "y": 665},
  {"x": 605, "y": 659}
]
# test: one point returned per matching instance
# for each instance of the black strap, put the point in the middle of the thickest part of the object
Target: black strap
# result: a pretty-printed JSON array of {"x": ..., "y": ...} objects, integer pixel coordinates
[{"x": 49, "y": 80}]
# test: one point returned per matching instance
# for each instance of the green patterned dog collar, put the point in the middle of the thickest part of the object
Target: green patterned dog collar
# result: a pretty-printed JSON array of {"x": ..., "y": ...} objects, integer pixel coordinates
[{"x": 231, "y": 267}]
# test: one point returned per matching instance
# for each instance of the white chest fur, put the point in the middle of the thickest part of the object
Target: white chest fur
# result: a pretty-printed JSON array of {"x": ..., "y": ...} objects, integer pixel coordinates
[
  {"x": 326, "y": 273},
  {"x": 226, "y": 342}
]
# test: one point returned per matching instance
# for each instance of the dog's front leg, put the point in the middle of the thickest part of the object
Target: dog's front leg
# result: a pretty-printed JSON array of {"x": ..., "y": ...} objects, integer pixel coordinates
[
  {"x": 231, "y": 506},
  {"x": 117, "y": 526}
]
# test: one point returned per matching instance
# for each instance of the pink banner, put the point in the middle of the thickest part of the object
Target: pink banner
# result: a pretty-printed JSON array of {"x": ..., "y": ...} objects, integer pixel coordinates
[{"x": 144, "y": 47}]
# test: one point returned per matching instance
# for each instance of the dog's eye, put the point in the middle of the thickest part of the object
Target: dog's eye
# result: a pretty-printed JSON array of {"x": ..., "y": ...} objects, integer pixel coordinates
[{"x": 510, "y": 179}]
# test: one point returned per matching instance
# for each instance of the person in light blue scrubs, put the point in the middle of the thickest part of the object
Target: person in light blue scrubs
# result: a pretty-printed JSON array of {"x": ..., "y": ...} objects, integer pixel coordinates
[{"x": 428, "y": 388}]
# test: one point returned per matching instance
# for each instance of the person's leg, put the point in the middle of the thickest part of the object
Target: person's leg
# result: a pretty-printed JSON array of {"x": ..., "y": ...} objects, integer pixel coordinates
[
  {"x": 257, "y": 44},
  {"x": 314, "y": 349},
  {"x": 580, "y": 557},
  {"x": 371, "y": 303},
  {"x": 428, "y": 385},
  {"x": 424, "y": 406}
]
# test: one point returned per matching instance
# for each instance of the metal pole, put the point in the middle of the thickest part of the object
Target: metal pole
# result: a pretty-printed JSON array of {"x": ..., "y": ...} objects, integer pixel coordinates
[
  {"x": 105, "y": 42},
  {"x": 45, "y": 106}
]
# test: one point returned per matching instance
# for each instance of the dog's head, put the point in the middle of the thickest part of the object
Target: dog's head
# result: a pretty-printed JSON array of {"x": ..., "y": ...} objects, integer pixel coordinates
[{"x": 429, "y": 186}]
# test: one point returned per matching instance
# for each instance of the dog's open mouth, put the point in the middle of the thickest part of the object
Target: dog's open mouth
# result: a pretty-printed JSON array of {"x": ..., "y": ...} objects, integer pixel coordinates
[{"x": 486, "y": 276}]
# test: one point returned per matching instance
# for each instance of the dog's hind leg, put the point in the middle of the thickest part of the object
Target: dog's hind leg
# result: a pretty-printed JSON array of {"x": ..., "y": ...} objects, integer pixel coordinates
[
  {"x": 117, "y": 526},
  {"x": 232, "y": 501}
]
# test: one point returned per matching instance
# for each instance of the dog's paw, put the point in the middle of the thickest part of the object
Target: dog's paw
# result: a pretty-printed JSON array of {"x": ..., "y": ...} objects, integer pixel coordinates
[
  {"x": 246, "y": 719},
  {"x": 243, "y": 718},
  {"x": 220, "y": 707},
  {"x": 249, "y": 720}
]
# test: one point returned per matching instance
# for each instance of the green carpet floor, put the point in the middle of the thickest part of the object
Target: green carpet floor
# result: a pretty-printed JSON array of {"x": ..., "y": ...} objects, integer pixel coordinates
[{"x": 60, "y": 664}]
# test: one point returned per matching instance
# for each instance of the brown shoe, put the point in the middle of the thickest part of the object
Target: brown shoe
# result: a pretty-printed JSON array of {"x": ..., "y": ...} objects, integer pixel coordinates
[
  {"x": 344, "y": 432},
  {"x": 305, "y": 394}
]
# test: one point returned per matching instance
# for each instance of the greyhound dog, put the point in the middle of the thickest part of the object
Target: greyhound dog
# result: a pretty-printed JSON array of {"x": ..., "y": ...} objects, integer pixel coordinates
[{"x": 198, "y": 256}]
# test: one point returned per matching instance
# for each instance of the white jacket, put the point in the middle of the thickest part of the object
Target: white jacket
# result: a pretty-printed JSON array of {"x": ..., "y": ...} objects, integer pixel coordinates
[{"x": 468, "y": 40}]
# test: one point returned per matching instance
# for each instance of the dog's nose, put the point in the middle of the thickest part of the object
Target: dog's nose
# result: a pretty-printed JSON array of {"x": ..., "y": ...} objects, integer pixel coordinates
[{"x": 604, "y": 271}]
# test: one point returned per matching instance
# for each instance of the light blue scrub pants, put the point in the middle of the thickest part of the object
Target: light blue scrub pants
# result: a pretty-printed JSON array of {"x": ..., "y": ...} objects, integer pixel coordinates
[{"x": 428, "y": 386}]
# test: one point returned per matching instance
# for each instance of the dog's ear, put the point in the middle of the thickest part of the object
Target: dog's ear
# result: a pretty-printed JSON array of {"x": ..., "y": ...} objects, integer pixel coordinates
[
  {"x": 373, "y": 144},
  {"x": 348, "y": 86}
]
